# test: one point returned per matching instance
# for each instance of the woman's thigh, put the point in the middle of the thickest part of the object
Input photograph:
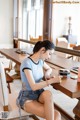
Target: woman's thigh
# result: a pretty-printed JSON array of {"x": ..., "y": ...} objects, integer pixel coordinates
[
  {"x": 34, "y": 107},
  {"x": 46, "y": 96}
]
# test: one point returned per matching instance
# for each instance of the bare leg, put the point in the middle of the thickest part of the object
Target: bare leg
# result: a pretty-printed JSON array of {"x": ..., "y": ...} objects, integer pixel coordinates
[
  {"x": 47, "y": 99},
  {"x": 34, "y": 107},
  {"x": 44, "y": 108},
  {"x": 57, "y": 115}
]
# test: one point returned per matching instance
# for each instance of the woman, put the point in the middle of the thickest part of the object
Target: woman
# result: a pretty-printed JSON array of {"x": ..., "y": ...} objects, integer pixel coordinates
[{"x": 33, "y": 98}]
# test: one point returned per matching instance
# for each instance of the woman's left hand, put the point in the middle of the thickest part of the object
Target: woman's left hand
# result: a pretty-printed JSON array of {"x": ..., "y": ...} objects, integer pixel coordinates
[{"x": 48, "y": 77}]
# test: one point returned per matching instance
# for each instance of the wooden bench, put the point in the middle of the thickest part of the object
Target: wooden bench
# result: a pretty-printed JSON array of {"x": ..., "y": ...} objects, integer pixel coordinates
[{"x": 63, "y": 103}]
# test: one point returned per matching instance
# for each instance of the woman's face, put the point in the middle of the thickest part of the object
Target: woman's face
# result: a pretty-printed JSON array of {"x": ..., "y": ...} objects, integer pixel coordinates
[{"x": 47, "y": 54}]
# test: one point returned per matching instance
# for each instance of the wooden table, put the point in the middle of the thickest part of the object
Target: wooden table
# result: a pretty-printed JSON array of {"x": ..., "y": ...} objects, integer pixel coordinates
[
  {"x": 11, "y": 54},
  {"x": 55, "y": 60},
  {"x": 68, "y": 86},
  {"x": 63, "y": 62}
]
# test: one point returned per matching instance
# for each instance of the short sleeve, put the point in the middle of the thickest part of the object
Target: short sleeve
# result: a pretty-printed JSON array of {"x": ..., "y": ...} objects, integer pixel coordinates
[{"x": 26, "y": 65}]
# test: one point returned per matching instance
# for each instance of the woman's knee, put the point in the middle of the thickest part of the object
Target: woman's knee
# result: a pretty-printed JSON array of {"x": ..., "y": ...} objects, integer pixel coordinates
[{"x": 47, "y": 95}]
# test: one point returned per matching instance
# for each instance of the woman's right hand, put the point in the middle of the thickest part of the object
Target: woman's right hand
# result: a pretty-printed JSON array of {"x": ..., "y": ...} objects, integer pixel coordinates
[{"x": 56, "y": 79}]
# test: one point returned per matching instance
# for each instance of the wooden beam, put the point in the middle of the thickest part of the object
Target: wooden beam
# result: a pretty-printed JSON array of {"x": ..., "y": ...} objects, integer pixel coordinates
[
  {"x": 68, "y": 51},
  {"x": 64, "y": 50}
]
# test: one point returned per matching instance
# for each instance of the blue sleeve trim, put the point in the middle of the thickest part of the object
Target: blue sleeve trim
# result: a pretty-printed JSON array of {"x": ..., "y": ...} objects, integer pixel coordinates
[{"x": 26, "y": 68}]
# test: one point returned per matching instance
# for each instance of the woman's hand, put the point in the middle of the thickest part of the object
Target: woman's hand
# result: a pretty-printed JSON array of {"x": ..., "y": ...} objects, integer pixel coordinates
[
  {"x": 48, "y": 76},
  {"x": 56, "y": 79}
]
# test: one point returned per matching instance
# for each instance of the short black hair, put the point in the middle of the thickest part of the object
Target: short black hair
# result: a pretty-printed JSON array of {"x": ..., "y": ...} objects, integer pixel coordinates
[{"x": 47, "y": 44}]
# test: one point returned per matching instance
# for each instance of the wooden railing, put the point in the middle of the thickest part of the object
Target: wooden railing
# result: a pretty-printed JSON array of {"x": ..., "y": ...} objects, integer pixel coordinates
[{"x": 17, "y": 41}]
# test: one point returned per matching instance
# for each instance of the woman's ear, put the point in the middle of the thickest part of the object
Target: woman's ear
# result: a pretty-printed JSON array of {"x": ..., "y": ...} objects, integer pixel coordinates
[{"x": 43, "y": 50}]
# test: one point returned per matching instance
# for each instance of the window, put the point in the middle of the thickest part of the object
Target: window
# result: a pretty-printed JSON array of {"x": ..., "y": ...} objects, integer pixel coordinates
[{"x": 32, "y": 18}]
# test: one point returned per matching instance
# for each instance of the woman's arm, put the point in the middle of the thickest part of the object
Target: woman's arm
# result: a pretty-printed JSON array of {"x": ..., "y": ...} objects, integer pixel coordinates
[
  {"x": 47, "y": 71},
  {"x": 34, "y": 86},
  {"x": 42, "y": 84}
]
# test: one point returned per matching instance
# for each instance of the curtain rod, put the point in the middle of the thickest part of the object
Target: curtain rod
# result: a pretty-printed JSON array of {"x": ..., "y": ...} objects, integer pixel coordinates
[{"x": 66, "y": 2}]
